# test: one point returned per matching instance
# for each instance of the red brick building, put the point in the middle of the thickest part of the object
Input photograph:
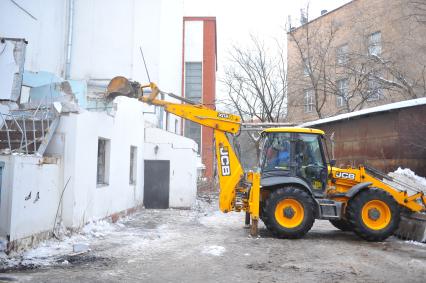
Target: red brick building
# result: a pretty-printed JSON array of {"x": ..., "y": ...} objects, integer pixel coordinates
[{"x": 199, "y": 65}]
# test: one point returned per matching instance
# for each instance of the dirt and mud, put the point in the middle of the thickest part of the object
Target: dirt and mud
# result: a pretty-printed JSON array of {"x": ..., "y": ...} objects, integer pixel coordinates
[{"x": 204, "y": 245}]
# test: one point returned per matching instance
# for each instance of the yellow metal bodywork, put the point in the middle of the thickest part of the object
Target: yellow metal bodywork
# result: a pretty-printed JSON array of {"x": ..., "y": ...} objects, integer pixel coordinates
[
  {"x": 338, "y": 185},
  {"x": 230, "y": 171}
]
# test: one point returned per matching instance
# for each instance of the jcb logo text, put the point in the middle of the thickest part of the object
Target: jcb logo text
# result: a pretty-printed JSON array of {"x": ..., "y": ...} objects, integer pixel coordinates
[
  {"x": 224, "y": 161},
  {"x": 345, "y": 175}
]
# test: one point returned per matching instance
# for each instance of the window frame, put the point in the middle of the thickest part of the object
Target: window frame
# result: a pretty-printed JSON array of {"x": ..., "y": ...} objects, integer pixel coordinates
[
  {"x": 342, "y": 57},
  {"x": 308, "y": 100},
  {"x": 378, "y": 95},
  {"x": 341, "y": 99},
  {"x": 133, "y": 165},
  {"x": 375, "y": 43},
  {"x": 103, "y": 162}
]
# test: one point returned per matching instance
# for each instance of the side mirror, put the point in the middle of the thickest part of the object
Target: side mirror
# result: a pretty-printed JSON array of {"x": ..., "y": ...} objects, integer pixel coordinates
[{"x": 332, "y": 162}]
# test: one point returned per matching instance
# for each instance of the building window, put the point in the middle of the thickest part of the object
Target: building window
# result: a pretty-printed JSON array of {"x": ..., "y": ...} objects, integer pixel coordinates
[
  {"x": 193, "y": 91},
  {"x": 133, "y": 164},
  {"x": 343, "y": 90},
  {"x": 375, "y": 43},
  {"x": 176, "y": 126},
  {"x": 167, "y": 121},
  {"x": 309, "y": 100},
  {"x": 342, "y": 53},
  {"x": 102, "y": 175},
  {"x": 375, "y": 90},
  {"x": 306, "y": 70}
]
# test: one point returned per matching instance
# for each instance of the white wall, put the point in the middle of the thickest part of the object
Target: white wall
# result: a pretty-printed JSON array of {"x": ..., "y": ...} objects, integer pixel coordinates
[
  {"x": 30, "y": 194},
  {"x": 182, "y": 153},
  {"x": 77, "y": 137},
  {"x": 46, "y": 34},
  {"x": 194, "y": 41},
  {"x": 102, "y": 39},
  {"x": 106, "y": 36}
]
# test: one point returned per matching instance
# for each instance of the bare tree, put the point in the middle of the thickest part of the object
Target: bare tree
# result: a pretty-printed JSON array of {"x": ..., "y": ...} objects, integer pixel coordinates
[
  {"x": 362, "y": 75},
  {"x": 314, "y": 46},
  {"x": 256, "y": 83}
]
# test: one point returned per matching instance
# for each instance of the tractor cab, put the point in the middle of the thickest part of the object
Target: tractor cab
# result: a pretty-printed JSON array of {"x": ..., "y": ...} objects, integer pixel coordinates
[{"x": 293, "y": 155}]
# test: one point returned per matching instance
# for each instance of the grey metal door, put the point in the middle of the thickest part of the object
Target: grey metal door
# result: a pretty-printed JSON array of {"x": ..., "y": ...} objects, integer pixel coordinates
[{"x": 157, "y": 183}]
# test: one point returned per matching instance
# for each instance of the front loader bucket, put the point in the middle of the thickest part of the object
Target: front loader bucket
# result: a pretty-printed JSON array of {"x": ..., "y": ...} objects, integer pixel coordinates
[{"x": 412, "y": 227}]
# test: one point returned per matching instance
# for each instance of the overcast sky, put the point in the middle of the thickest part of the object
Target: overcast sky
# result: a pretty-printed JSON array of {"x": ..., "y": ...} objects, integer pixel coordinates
[{"x": 266, "y": 19}]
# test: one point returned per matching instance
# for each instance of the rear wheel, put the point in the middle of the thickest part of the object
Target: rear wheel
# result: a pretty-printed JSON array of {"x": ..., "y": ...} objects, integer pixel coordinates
[
  {"x": 373, "y": 214},
  {"x": 289, "y": 212},
  {"x": 342, "y": 224}
]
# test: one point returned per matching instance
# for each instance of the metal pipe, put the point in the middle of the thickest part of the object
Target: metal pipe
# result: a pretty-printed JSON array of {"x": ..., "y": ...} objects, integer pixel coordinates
[{"x": 70, "y": 28}]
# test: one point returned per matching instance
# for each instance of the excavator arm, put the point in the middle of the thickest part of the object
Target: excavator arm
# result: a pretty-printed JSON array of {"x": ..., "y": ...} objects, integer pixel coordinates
[{"x": 238, "y": 191}]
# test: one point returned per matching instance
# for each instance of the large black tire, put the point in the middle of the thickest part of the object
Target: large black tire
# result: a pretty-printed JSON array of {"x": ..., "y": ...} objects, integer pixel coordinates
[
  {"x": 373, "y": 214},
  {"x": 302, "y": 216},
  {"x": 342, "y": 225}
]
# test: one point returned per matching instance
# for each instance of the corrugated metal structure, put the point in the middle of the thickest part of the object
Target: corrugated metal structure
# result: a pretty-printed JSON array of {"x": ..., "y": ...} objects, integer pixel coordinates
[{"x": 383, "y": 137}]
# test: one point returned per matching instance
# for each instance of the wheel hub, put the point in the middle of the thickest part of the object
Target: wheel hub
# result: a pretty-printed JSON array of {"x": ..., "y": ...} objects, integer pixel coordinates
[
  {"x": 289, "y": 212},
  {"x": 373, "y": 214}
]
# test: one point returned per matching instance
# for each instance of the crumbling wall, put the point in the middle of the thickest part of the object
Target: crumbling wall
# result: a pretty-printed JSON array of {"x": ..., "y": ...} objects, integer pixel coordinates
[
  {"x": 29, "y": 196},
  {"x": 77, "y": 140}
]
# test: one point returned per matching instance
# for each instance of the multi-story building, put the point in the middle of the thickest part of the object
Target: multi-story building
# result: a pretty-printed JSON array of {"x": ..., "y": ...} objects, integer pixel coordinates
[
  {"x": 363, "y": 54},
  {"x": 199, "y": 80}
]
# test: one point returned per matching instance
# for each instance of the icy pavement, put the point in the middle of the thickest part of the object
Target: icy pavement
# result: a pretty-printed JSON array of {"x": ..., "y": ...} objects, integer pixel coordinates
[{"x": 204, "y": 245}]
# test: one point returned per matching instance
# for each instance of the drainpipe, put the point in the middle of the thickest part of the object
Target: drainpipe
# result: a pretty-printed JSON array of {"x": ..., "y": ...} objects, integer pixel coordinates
[{"x": 70, "y": 27}]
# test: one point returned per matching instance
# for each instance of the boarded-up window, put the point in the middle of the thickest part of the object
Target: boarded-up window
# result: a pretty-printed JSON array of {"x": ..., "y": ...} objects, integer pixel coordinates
[
  {"x": 193, "y": 91},
  {"x": 133, "y": 164},
  {"x": 102, "y": 176}
]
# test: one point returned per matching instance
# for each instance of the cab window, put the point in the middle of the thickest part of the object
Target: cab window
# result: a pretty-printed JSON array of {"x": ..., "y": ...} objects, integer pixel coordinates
[{"x": 275, "y": 154}]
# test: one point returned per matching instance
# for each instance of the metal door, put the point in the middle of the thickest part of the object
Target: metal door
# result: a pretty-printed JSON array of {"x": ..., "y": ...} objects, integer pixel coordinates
[{"x": 157, "y": 183}]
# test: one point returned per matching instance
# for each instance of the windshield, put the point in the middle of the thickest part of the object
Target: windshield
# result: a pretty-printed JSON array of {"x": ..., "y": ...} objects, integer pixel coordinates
[
  {"x": 275, "y": 154},
  {"x": 308, "y": 150}
]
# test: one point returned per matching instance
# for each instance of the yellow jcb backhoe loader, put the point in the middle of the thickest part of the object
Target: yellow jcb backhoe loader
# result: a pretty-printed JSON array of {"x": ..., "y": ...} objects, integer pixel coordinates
[{"x": 294, "y": 184}]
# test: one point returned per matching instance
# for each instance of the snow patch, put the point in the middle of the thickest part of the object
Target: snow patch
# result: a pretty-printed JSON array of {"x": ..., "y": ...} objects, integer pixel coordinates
[
  {"x": 415, "y": 243},
  {"x": 213, "y": 250},
  {"x": 48, "y": 252}
]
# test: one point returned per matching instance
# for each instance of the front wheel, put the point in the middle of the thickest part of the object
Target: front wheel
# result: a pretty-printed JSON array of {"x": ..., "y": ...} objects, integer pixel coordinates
[
  {"x": 373, "y": 214},
  {"x": 289, "y": 212}
]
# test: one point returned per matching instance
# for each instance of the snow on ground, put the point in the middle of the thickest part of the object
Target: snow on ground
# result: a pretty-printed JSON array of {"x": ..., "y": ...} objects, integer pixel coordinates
[
  {"x": 50, "y": 251},
  {"x": 213, "y": 250}
]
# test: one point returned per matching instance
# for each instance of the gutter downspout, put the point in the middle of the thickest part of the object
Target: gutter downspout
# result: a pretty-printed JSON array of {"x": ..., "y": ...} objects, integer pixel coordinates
[{"x": 70, "y": 28}]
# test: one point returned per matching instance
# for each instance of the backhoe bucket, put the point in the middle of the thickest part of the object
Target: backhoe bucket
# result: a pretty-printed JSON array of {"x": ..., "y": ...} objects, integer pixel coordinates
[{"x": 120, "y": 86}]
